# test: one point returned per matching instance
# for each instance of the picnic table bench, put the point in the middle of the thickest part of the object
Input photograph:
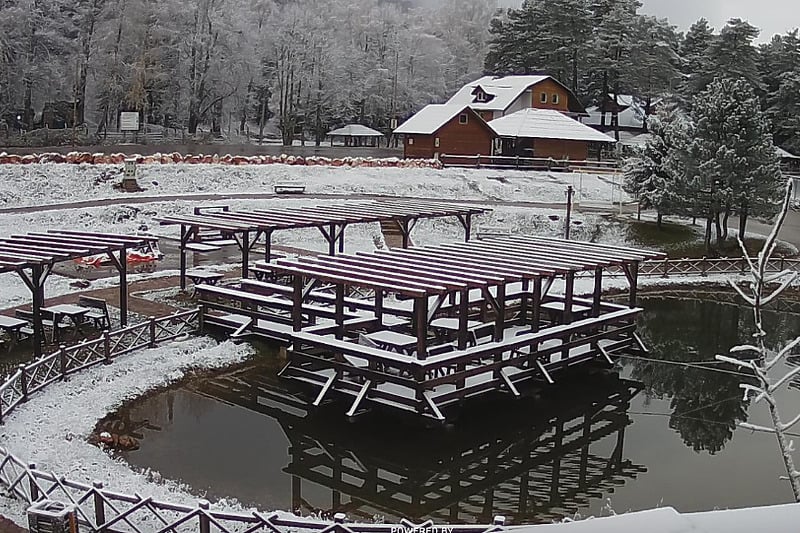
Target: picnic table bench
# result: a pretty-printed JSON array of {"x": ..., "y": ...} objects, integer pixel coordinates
[{"x": 289, "y": 187}]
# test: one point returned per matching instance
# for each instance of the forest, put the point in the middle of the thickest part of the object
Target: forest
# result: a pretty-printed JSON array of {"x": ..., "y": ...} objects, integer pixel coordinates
[{"x": 301, "y": 67}]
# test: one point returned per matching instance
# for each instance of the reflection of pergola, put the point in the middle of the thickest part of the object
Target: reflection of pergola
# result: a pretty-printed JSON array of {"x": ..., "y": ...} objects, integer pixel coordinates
[
  {"x": 33, "y": 255},
  {"x": 356, "y": 135},
  {"x": 538, "y": 461},
  {"x": 246, "y": 228}
]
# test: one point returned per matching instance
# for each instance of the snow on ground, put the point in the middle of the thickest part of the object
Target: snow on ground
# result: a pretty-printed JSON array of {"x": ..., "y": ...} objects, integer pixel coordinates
[
  {"x": 51, "y": 429},
  {"x": 37, "y": 184}
]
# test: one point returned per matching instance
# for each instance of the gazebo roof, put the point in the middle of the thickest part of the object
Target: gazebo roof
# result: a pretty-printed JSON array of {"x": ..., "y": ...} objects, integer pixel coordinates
[{"x": 354, "y": 130}]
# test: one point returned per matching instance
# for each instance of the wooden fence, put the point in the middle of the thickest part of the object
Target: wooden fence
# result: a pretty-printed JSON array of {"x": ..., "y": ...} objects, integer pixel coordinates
[
  {"x": 706, "y": 267},
  {"x": 100, "y": 509},
  {"x": 528, "y": 163}
]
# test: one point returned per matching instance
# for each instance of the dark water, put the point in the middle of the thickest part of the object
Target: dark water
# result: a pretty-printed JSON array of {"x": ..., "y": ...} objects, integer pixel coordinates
[{"x": 659, "y": 435}]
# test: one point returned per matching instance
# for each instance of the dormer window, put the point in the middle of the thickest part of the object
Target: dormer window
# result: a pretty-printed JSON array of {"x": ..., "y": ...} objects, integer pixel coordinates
[{"x": 481, "y": 96}]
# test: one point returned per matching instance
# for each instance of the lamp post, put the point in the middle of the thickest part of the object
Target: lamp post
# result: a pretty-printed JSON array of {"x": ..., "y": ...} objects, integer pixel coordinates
[{"x": 570, "y": 192}]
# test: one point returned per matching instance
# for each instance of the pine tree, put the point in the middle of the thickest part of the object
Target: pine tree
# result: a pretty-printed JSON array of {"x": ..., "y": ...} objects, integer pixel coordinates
[
  {"x": 736, "y": 160},
  {"x": 656, "y": 174},
  {"x": 733, "y": 55},
  {"x": 694, "y": 55}
]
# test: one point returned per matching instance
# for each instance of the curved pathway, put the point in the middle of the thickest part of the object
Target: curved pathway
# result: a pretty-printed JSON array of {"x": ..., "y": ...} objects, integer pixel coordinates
[{"x": 203, "y": 197}]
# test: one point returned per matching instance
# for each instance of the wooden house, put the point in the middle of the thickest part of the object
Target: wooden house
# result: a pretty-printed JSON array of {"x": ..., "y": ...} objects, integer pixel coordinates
[
  {"x": 543, "y": 133},
  {"x": 446, "y": 129},
  {"x": 494, "y": 97}
]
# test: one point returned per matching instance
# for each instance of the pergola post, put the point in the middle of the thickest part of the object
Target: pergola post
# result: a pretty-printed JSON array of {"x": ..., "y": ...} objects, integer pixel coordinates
[
  {"x": 341, "y": 238},
  {"x": 37, "y": 291},
  {"x": 500, "y": 319},
  {"x": 185, "y": 235},
  {"x": 297, "y": 302},
  {"x": 598, "y": 291},
  {"x": 634, "y": 281},
  {"x": 523, "y": 304},
  {"x": 245, "y": 246},
  {"x": 406, "y": 231},
  {"x": 569, "y": 290},
  {"x": 123, "y": 287},
  {"x": 331, "y": 237},
  {"x": 421, "y": 326},
  {"x": 379, "y": 304},
  {"x": 537, "y": 304},
  {"x": 339, "y": 311},
  {"x": 463, "y": 319}
]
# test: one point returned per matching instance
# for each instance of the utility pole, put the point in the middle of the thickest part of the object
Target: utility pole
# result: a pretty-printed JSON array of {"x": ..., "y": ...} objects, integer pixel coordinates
[{"x": 570, "y": 192}]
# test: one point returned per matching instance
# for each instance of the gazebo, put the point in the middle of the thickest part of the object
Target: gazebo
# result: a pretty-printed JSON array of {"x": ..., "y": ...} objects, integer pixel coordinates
[{"x": 356, "y": 135}]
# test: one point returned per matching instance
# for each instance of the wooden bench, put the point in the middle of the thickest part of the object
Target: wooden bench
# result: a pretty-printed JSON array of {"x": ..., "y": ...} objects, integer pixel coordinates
[
  {"x": 98, "y": 313},
  {"x": 200, "y": 247},
  {"x": 288, "y": 187},
  {"x": 204, "y": 276}
]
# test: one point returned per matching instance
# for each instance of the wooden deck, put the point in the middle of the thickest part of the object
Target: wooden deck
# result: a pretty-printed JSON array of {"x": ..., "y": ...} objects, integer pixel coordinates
[{"x": 421, "y": 330}]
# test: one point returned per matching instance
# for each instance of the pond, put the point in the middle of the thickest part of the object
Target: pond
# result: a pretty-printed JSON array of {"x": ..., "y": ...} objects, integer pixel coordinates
[{"x": 658, "y": 433}]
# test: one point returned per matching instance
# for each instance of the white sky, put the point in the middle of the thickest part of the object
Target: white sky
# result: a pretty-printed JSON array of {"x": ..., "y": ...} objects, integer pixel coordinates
[{"x": 771, "y": 16}]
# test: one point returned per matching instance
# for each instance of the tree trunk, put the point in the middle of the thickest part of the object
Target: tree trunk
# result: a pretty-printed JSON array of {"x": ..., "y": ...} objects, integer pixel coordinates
[
  {"x": 708, "y": 235},
  {"x": 743, "y": 213},
  {"x": 659, "y": 220},
  {"x": 725, "y": 223},
  {"x": 718, "y": 226}
]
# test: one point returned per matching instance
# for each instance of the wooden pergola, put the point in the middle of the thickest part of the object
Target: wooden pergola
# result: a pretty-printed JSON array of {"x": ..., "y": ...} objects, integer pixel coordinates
[
  {"x": 437, "y": 324},
  {"x": 33, "y": 255},
  {"x": 434, "y": 275},
  {"x": 247, "y": 228}
]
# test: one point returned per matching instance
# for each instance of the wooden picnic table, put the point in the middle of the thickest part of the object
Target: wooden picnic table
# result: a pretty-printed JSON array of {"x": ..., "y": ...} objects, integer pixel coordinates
[
  {"x": 203, "y": 276},
  {"x": 13, "y": 326},
  {"x": 557, "y": 309},
  {"x": 392, "y": 340},
  {"x": 75, "y": 313}
]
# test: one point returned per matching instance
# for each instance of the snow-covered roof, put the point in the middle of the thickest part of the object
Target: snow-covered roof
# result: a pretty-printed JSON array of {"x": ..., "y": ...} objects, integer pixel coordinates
[
  {"x": 355, "y": 130},
  {"x": 634, "y": 140},
  {"x": 535, "y": 123},
  {"x": 430, "y": 119},
  {"x": 783, "y": 154},
  {"x": 505, "y": 90},
  {"x": 633, "y": 117}
]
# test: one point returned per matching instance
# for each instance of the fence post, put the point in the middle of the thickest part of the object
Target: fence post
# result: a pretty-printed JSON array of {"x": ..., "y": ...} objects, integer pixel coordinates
[
  {"x": 34, "y": 488},
  {"x": 62, "y": 360},
  {"x": 703, "y": 266},
  {"x": 23, "y": 382},
  {"x": 201, "y": 319},
  {"x": 107, "y": 346},
  {"x": 152, "y": 332},
  {"x": 99, "y": 506},
  {"x": 339, "y": 518},
  {"x": 205, "y": 523},
  {"x": 782, "y": 262},
  {"x": 666, "y": 268}
]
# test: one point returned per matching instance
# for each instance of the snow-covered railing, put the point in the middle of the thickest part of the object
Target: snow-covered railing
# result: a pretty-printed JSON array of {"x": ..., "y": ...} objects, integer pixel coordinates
[
  {"x": 35, "y": 376},
  {"x": 706, "y": 267},
  {"x": 100, "y": 509},
  {"x": 541, "y": 163}
]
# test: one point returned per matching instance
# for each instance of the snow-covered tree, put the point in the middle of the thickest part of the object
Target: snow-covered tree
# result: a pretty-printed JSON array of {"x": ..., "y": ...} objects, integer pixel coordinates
[
  {"x": 657, "y": 173},
  {"x": 737, "y": 165},
  {"x": 694, "y": 55},
  {"x": 733, "y": 54},
  {"x": 762, "y": 289}
]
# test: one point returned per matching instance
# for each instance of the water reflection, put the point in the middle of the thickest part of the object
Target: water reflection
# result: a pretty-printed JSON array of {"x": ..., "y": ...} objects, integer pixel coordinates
[
  {"x": 705, "y": 397},
  {"x": 531, "y": 460}
]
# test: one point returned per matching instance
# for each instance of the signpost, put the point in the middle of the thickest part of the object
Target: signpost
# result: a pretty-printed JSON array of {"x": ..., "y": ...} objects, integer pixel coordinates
[{"x": 129, "y": 121}]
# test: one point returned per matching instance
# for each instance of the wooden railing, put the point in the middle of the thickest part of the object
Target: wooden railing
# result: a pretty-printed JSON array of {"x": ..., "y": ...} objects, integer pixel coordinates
[
  {"x": 100, "y": 509},
  {"x": 37, "y": 375},
  {"x": 536, "y": 163},
  {"x": 706, "y": 267}
]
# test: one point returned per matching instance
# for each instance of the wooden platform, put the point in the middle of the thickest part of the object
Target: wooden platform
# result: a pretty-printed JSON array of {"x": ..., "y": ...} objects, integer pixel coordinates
[{"x": 424, "y": 329}]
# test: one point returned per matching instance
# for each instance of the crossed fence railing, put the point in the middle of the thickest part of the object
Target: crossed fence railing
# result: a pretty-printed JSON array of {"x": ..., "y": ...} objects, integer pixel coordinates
[
  {"x": 104, "y": 510},
  {"x": 705, "y": 267}
]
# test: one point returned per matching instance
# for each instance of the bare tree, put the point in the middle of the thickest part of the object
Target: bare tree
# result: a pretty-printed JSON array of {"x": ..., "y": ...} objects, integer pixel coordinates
[{"x": 764, "y": 361}]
